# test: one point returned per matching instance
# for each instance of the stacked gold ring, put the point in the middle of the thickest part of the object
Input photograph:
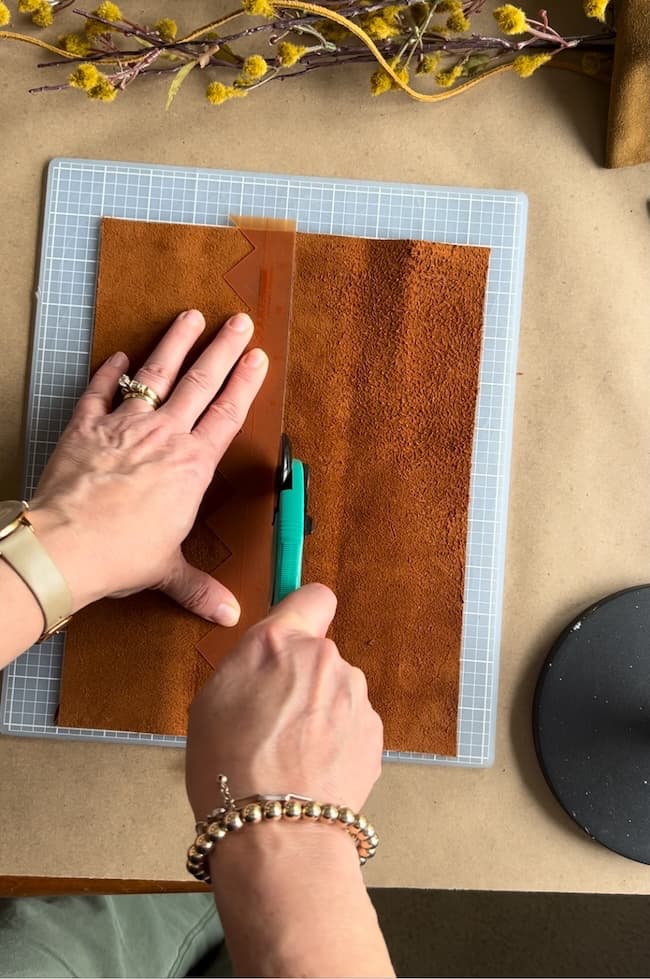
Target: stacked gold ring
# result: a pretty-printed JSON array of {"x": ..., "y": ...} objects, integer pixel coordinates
[
  {"x": 263, "y": 808},
  {"x": 135, "y": 389}
]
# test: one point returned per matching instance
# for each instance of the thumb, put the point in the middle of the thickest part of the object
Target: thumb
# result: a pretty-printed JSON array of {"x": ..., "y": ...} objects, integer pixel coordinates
[
  {"x": 310, "y": 609},
  {"x": 198, "y": 592}
]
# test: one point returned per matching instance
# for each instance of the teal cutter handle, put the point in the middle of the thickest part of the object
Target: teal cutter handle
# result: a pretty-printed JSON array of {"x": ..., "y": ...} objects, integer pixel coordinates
[{"x": 290, "y": 534}]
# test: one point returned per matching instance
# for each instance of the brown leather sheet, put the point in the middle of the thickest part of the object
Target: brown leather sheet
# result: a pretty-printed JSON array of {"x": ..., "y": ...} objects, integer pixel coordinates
[
  {"x": 133, "y": 664},
  {"x": 383, "y": 409},
  {"x": 384, "y": 354}
]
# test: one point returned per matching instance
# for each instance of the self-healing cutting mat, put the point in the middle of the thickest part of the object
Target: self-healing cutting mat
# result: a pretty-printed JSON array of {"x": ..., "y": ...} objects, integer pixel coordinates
[
  {"x": 383, "y": 363},
  {"x": 80, "y": 192}
]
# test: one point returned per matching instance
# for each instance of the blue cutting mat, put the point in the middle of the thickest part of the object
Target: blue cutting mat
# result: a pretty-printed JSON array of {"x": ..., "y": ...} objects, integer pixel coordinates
[{"x": 80, "y": 192}]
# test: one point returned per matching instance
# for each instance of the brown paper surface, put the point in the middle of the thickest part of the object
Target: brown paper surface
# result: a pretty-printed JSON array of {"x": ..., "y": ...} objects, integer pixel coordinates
[
  {"x": 383, "y": 370},
  {"x": 578, "y": 517}
]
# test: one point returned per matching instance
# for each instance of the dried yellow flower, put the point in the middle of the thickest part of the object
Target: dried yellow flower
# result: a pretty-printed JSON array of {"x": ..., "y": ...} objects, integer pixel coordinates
[
  {"x": 335, "y": 33},
  {"x": 103, "y": 91},
  {"x": 84, "y": 77},
  {"x": 458, "y": 22},
  {"x": 109, "y": 11},
  {"x": 401, "y": 71},
  {"x": 5, "y": 15},
  {"x": 259, "y": 8},
  {"x": 253, "y": 68},
  {"x": 447, "y": 78},
  {"x": 43, "y": 16},
  {"x": 511, "y": 19},
  {"x": 526, "y": 64},
  {"x": 596, "y": 8},
  {"x": 449, "y": 6},
  {"x": 392, "y": 14},
  {"x": 290, "y": 54},
  {"x": 428, "y": 64},
  {"x": 167, "y": 29},
  {"x": 217, "y": 92},
  {"x": 380, "y": 82},
  {"x": 91, "y": 81},
  {"x": 28, "y": 6},
  {"x": 75, "y": 44},
  {"x": 377, "y": 27}
]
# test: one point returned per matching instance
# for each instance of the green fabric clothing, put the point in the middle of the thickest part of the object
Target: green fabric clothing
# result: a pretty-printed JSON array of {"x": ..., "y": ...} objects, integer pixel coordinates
[{"x": 127, "y": 935}]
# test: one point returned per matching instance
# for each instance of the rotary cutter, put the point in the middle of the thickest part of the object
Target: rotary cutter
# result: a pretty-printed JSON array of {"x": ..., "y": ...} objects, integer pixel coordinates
[{"x": 292, "y": 521}]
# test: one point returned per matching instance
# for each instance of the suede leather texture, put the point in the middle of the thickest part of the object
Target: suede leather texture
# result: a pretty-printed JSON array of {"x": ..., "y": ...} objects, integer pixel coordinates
[
  {"x": 383, "y": 359},
  {"x": 628, "y": 140}
]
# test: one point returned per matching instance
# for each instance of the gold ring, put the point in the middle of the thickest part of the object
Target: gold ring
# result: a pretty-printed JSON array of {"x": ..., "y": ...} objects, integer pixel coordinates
[{"x": 135, "y": 389}]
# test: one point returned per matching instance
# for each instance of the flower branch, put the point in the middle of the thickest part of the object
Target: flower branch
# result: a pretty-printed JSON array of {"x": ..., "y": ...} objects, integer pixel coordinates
[{"x": 403, "y": 38}]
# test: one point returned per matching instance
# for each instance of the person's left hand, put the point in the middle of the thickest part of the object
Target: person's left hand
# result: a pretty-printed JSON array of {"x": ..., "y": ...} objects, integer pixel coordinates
[{"x": 122, "y": 488}]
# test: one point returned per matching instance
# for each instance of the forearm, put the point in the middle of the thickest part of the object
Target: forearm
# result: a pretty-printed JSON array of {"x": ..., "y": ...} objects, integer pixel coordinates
[
  {"x": 22, "y": 619},
  {"x": 293, "y": 903}
]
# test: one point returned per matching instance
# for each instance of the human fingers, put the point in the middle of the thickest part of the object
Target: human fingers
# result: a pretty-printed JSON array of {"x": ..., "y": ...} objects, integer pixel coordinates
[
  {"x": 203, "y": 380},
  {"x": 161, "y": 368},
  {"x": 97, "y": 399},
  {"x": 309, "y": 610},
  {"x": 198, "y": 592},
  {"x": 227, "y": 413}
]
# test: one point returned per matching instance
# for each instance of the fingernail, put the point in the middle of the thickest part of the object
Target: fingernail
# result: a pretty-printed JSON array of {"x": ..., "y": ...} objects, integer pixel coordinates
[
  {"x": 241, "y": 323},
  {"x": 193, "y": 314},
  {"x": 227, "y": 614},
  {"x": 255, "y": 358},
  {"x": 118, "y": 358}
]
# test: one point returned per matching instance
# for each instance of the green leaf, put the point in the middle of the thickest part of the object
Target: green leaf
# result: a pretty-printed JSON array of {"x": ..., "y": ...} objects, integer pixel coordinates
[
  {"x": 228, "y": 54},
  {"x": 475, "y": 63},
  {"x": 178, "y": 81}
]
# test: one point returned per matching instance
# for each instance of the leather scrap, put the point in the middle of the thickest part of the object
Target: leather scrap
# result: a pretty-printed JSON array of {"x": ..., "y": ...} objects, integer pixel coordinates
[
  {"x": 148, "y": 633},
  {"x": 628, "y": 137}
]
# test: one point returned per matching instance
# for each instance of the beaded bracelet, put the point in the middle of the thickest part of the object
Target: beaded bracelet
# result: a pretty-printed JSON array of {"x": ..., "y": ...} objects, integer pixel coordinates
[{"x": 237, "y": 813}]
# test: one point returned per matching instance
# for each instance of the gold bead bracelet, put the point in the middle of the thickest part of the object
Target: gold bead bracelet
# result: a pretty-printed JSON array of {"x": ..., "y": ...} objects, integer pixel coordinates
[{"x": 235, "y": 814}]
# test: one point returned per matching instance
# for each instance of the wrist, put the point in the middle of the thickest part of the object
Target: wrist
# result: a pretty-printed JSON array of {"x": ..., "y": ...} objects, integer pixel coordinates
[
  {"x": 271, "y": 853},
  {"x": 71, "y": 554},
  {"x": 292, "y": 896}
]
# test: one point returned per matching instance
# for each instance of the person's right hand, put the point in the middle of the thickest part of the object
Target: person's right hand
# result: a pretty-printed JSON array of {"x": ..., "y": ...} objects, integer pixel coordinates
[{"x": 285, "y": 713}]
